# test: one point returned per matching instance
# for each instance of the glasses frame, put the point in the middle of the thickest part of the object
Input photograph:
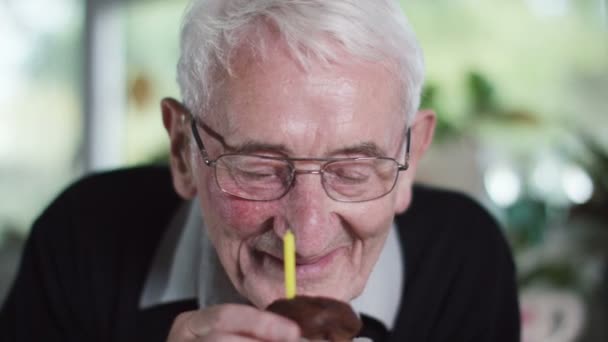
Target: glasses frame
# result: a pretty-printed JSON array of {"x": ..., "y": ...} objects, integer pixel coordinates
[{"x": 194, "y": 122}]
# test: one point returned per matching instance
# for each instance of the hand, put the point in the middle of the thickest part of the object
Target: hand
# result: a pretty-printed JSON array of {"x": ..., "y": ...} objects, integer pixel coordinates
[{"x": 232, "y": 322}]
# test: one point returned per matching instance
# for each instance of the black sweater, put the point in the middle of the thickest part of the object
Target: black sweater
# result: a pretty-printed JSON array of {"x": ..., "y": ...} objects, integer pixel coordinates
[{"x": 86, "y": 261}]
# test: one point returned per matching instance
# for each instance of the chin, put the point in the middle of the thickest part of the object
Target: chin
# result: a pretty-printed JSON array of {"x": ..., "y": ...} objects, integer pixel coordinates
[{"x": 261, "y": 293}]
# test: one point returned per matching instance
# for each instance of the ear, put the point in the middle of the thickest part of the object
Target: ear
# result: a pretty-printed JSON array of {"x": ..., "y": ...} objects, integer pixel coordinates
[
  {"x": 422, "y": 131},
  {"x": 176, "y": 121}
]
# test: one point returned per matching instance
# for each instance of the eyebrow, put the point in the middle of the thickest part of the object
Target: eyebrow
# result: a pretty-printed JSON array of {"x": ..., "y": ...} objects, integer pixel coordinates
[
  {"x": 368, "y": 149},
  {"x": 251, "y": 146}
]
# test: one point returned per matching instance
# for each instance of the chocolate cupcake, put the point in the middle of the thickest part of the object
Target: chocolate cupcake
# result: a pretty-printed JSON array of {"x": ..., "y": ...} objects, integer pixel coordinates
[{"x": 320, "y": 318}]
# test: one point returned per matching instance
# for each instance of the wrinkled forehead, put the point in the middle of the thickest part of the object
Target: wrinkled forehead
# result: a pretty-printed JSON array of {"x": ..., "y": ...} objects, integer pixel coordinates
[
  {"x": 276, "y": 86},
  {"x": 310, "y": 111}
]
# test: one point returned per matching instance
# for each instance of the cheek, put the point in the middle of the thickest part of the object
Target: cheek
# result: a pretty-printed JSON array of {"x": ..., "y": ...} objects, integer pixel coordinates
[
  {"x": 246, "y": 217},
  {"x": 234, "y": 216},
  {"x": 373, "y": 219}
]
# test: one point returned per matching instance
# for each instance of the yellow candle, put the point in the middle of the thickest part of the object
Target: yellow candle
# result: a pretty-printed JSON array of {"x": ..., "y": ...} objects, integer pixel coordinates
[{"x": 289, "y": 258}]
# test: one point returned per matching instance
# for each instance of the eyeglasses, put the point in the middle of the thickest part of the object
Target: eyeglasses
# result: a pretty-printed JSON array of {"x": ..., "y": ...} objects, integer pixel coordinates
[{"x": 264, "y": 178}]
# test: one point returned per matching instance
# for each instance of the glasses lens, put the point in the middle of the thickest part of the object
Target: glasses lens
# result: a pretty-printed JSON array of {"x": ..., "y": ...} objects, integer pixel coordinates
[
  {"x": 253, "y": 177},
  {"x": 360, "y": 179}
]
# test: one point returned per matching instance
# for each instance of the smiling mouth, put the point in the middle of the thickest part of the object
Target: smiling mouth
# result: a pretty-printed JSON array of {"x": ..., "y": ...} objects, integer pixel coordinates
[{"x": 313, "y": 268}]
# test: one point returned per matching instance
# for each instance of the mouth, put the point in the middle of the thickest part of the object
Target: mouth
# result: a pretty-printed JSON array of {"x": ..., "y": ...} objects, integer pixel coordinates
[{"x": 306, "y": 268}]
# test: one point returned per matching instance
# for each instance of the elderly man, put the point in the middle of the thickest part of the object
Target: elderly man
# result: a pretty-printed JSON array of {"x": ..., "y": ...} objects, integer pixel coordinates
[{"x": 298, "y": 115}]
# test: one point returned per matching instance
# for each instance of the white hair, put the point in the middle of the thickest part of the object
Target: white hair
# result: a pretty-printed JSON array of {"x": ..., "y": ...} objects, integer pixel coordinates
[{"x": 369, "y": 30}]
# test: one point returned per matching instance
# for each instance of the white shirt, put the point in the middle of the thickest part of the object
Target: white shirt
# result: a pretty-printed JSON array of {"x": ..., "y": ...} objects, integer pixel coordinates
[{"x": 186, "y": 266}]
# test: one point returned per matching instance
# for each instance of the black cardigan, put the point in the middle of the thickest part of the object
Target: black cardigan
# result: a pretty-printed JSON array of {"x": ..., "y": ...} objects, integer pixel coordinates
[{"x": 86, "y": 260}]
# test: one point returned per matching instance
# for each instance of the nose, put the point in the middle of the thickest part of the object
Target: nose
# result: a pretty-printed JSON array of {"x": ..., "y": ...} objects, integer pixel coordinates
[{"x": 310, "y": 214}]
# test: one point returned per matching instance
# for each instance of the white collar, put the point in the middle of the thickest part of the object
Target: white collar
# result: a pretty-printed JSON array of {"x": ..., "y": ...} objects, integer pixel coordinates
[{"x": 186, "y": 266}]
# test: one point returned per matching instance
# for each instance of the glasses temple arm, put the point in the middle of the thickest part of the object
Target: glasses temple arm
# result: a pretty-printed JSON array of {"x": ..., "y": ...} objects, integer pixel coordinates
[
  {"x": 199, "y": 141},
  {"x": 408, "y": 141}
]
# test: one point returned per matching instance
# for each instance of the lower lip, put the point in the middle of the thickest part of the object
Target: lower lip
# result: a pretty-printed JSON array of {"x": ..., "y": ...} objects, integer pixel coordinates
[{"x": 321, "y": 267}]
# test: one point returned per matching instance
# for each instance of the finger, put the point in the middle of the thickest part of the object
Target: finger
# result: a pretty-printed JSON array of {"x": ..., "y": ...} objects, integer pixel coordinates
[
  {"x": 223, "y": 337},
  {"x": 242, "y": 320},
  {"x": 180, "y": 330}
]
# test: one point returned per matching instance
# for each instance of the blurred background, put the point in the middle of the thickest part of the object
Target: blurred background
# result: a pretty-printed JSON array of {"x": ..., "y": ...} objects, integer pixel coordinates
[{"x": 520, "y": 88}]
